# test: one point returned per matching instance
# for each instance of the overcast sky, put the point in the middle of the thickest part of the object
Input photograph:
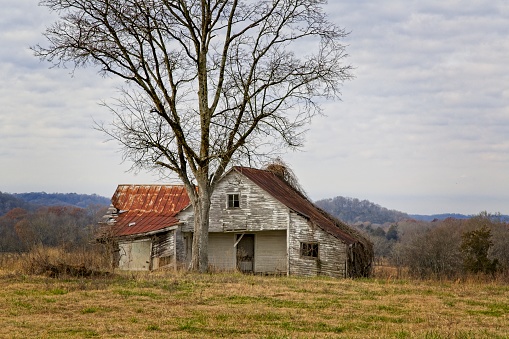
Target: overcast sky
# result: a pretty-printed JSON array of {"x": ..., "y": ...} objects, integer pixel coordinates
[{"x": 423, "y": 127}]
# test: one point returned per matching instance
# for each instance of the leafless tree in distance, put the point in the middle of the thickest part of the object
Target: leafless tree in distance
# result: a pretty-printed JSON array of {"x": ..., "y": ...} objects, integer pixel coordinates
[{"x": 209, "y": 83}]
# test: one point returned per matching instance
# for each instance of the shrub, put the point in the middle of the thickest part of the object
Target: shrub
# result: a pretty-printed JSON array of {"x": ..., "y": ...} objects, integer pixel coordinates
[{"x": 475, "y": 246}]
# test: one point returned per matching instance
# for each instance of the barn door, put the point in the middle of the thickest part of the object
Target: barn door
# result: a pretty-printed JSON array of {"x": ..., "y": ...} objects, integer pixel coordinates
[{"x": 245, "y": 252}]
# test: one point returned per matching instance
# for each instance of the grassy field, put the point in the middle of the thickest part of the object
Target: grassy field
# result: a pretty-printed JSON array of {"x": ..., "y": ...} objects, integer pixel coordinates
[{"x": 179, "y": 305}]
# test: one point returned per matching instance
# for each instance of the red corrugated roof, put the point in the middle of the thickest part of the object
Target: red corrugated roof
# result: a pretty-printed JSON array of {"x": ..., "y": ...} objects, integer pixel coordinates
[
  {"x": 163, "y": 199},
  {"x": 292, "y": 199},
  {"x": 147, "y": 208}
]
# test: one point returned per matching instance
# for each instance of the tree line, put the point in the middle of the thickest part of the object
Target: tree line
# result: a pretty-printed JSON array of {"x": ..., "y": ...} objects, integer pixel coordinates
[
  {"x": 63, "y": 199},
  {"x": 9, "y": 202},
  {"x": 53, "y": 226},
  {"x": 449, "y": 248}
]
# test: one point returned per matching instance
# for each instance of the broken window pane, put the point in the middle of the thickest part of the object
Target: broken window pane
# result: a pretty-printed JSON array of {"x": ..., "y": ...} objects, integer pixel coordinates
[{"x": 309, "y": 250}]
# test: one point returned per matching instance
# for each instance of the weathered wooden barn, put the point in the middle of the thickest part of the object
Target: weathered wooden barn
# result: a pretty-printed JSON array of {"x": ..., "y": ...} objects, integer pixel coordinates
[{"x": 258, "y": 223}]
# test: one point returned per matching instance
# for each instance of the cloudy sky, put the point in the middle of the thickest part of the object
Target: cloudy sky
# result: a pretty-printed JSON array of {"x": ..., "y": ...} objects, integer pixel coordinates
[{"x": 423, "y": 128}]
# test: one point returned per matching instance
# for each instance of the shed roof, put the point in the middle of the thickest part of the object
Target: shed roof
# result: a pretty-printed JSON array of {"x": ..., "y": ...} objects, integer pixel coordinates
[
  {"x": 297, "y": 202},
  {"x": 146, "y": 209}
]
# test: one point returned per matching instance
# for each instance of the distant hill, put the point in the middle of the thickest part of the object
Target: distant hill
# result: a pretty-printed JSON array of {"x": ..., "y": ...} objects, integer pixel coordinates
[
  {"x": 62, "y": 199},
  {"x": 33, "y": 200},
  {"x": 352, "y": 210},
  {"x": 9, "y": 202}
]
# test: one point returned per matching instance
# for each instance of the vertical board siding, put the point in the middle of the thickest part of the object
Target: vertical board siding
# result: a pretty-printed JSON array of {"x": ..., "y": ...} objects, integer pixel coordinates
[
  {"x": 221, "y": 251},
  {"x": 270, "y": 252},
  {"x": 179, "y": 246},
  {"x": 332, "y": 251}
]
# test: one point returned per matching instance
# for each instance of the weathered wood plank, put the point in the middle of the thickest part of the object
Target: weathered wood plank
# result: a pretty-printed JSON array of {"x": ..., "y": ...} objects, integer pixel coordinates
[
  {"x": 271, "y": 252},
  {"x": 332, "y": 252},
  {"x": 221, "y": 251}
]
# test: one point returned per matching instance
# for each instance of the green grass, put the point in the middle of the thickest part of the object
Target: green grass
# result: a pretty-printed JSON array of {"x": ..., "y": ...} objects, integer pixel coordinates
[
  {"x": 182, "y": 305},
  {"x": 89, "y": 310}
]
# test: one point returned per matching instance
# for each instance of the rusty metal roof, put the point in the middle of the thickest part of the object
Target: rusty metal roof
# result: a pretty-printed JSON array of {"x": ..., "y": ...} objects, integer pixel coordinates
[
  {"x": 162, "y": 199},
  {"x": 144, "y": 209},
  {"x": 294, "y": 200}
]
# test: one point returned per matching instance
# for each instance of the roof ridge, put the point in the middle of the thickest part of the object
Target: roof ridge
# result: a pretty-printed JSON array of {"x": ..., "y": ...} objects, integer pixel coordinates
[{"x": 166, "y": 185}]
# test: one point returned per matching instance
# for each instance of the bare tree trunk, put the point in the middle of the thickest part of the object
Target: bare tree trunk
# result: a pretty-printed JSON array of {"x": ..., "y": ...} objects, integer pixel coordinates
[{"x": 199, "y": 259}]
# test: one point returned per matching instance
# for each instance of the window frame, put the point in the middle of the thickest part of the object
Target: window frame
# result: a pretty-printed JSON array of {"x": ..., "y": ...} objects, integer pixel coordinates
[
  {"x": 309, "y": 250},
  {"x": 230, "y": 197}
]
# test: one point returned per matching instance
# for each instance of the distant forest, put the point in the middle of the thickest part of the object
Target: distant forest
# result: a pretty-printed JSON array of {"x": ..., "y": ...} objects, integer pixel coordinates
[
  {"x": 54, "y": 219},
  {"x": 355, "y": 211},
  {"x": 34, "y": 200}
]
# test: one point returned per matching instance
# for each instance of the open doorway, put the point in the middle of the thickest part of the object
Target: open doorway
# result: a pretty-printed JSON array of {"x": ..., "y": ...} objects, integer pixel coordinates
[{"x": 245, "y": 252}]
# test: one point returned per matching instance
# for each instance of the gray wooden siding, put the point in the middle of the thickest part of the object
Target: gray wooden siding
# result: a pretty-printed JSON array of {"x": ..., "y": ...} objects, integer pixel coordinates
[
  {"x": 186, "y": 217},
  {"x": 180, "y": 243},
  {"x": 270, "y": 252},
  {"x": 332, "y": 256},
  {"x": 221, "y": 251}
]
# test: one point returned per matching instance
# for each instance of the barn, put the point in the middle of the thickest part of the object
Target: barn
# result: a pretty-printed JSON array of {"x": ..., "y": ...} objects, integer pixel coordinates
[{"x": 259, "y": 223}]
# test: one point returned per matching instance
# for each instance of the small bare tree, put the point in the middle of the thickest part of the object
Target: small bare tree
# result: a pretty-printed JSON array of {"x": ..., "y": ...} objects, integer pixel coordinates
[{"x": 210, "y": 83}]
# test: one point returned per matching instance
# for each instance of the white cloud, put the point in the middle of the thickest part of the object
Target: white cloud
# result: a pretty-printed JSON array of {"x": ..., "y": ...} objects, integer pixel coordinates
[
  {"x": 429, "y": 102},
  {"x": 423, "y": 127}
]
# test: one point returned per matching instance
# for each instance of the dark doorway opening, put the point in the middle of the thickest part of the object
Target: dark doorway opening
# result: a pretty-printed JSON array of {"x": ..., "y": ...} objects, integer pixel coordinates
[{"x": 245, "y": 252}]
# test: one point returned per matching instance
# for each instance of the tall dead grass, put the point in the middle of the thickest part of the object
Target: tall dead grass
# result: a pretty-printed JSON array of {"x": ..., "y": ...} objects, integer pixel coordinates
[
  {"x": 392, "y": 273},
  {"x": 83, "y": 261}
]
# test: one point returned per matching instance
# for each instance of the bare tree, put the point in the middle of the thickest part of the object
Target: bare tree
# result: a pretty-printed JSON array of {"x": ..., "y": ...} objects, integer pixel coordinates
[
  {"x": 434, "y": 252},
  {"x": 209, "y": 83}
]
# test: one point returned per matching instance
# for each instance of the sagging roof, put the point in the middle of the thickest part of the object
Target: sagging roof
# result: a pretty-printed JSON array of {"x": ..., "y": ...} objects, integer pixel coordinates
[
  {"x": 294, "y": 200},
  {"x": 146, "y": 209}
]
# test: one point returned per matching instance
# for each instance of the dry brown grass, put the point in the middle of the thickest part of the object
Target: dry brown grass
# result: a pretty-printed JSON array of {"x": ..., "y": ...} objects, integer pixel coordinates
[
  {"x": 183, "y": 305},
  {"x": 58, "y": 261}
]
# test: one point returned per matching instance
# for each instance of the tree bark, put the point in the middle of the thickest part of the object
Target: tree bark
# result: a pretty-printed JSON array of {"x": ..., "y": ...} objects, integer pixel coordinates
[{"x": 201, "y": 205}]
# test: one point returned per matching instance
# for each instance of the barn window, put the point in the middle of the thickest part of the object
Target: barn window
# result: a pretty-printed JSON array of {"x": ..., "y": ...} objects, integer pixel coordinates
[
  {"x": 233, "y": 201},
  {"x": 309, "y": 250}
]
